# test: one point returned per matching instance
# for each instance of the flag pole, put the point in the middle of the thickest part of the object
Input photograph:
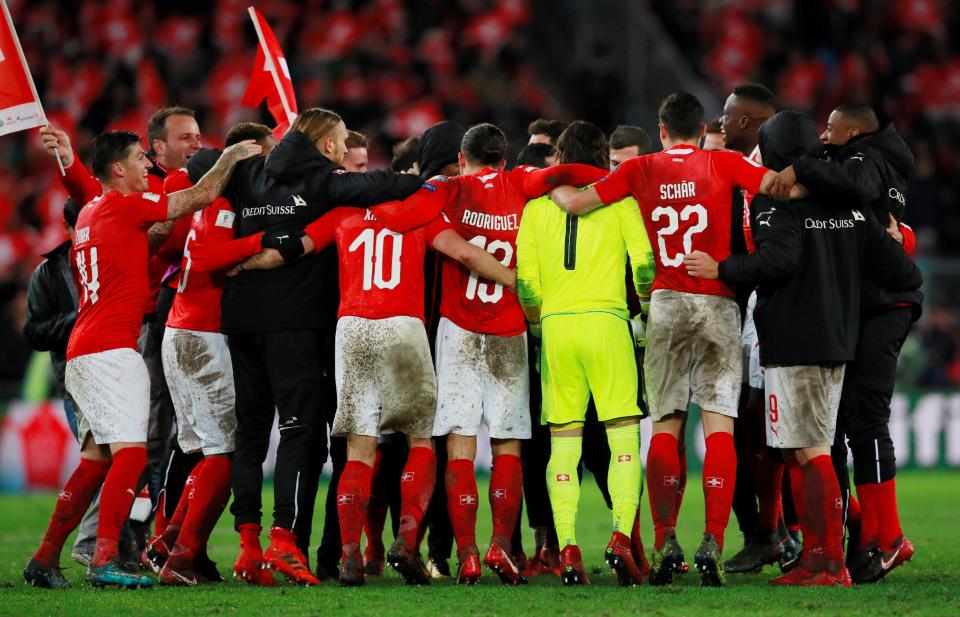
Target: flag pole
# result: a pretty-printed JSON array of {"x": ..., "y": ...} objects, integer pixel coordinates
[
  {"x": 26, "y": 68},
  {"x": 273, "y": 68}
]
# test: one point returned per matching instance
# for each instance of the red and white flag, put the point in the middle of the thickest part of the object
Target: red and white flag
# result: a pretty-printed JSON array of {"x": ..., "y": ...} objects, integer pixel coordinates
[
  {"x": 271, "y": 78},
  {"x": 20, "y": 107}
]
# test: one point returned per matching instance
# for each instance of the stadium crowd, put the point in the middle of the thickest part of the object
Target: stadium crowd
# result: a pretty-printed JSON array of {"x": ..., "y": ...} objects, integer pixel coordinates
[{"x": 201, "y": 283}]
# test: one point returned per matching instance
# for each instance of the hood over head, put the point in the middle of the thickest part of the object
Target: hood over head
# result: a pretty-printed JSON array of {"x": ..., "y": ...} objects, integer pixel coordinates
[
  {"x": 786, "y": 136},
  {"x": 438, "y": 147}
]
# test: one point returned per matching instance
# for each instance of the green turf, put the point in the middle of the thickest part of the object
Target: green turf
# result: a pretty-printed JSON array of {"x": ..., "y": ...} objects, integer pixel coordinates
[{"x": 928, "y": 586}]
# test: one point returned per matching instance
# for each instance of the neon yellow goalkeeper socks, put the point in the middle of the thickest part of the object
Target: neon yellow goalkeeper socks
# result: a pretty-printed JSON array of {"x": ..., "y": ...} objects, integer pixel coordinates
[
  {"x": 623, "y": 477},
  {"x": 564, "y": 486}
]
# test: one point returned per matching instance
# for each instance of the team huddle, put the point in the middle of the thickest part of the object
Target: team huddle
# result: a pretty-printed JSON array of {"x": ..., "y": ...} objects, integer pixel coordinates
[{"x": 766, "y": 280}]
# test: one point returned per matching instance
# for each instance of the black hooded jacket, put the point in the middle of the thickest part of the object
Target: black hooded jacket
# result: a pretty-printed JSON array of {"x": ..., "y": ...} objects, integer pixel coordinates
[
  {"x": 812, "y": 258},
  {"x": 870, "y": 169},
  {"x": 286, "y": 191}
]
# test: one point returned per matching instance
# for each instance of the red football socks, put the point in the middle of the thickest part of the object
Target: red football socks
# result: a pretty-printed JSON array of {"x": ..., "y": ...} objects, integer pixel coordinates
[
  {"x": 209, "y": 496},
  {"x": 116, "y": 497},
  {"x": 506, "y": 495},
  {"x": 682, "y": 487},
  {"x": 72, "y": 503},
  {"x": 172, "y": 529},
  {"x": 869, "y": 513},
  {"x": 768, "y": 481},
  {"x": 719, "y": 480},
  {"x": 353, "y": 493},
  {"x": 663, "y": 484},
  {"x": 824, "y": 507},
  {"x": 887, "y": 514},
  {"x": 416, "y": 488},
  {"x": 462, "y": 501}
]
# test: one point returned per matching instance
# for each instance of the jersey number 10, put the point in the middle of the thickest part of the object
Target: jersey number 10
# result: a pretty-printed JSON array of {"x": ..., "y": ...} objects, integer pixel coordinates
[
  {"x": 373, "y": 256},
  {"x": 673, "y": 224}
]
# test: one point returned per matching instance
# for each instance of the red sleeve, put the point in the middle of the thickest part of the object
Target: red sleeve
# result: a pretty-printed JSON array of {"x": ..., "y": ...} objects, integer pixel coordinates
[
  {"x": 740, "y": 170},
  {"x": 80, "y": 183},
  {"x": 143, "y": 209},
  {"x": 176, "y": 180},
  {"x": 172, "y": 248},
  {"x": 421, "y": 207},
  {"x": 537, "y": 182},
  {"x": 215, "y": 247},
  {"x": 909, "y": 239},
  {"x": 619, "y": 182},
  {"x": 436, "y": 227},
  {"x": 323, "y": 230}
]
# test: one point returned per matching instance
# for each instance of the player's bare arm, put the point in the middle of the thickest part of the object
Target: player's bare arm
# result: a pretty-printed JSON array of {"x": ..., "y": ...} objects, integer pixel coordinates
[
  {"x": 474, "y": 258},
  {"x": 211, "y": 184},
  {"x": 701, "y": 265},
  {"x": 158, "y": 233},
  {"x": 574, "y": 201}
]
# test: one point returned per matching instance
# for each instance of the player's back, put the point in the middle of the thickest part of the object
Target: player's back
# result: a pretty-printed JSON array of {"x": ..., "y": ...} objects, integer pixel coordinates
[
  {"x": 110, "y": 261},
  {"x": 685, "y": 198},
  {"x": 580, "y": 260},
  {"x": 487, "y": 214},
  {"x": 381, "y": 271}
]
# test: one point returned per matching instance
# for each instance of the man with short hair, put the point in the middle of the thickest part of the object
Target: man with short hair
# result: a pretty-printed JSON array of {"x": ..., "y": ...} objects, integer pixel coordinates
[
  {"x": 356, "y": 159},
  {"x": 693, "y": 327},
  {"x": 106, "y": 377},
  {"x": 543, "y": 131},
  {"x": 627, "y": 142},
  {"x": 713, "y": 138}
]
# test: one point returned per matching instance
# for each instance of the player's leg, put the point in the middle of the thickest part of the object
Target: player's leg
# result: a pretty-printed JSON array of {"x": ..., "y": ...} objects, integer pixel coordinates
[
  {"x": 43, "y": 569},
  {"x": 204, "y": 376},
  {"x": 353, "y": 495},
  {"x": 565, "y": 396},
  {"x": 376, "y": 518},
  {"x": 460, "y": 366},
  {"x": 328, "y": 552},
  {"x": 874, "y": 459},
  {"x": 802, "y": 413},
  {"x": 505, "y": 397},
  {"x": 294, "y": 359},
  {"x": 408, "y": 387}
]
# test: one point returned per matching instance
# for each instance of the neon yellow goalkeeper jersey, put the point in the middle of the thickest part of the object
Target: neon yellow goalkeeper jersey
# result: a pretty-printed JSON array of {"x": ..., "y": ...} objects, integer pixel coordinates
[{"x": 576, "y": 264}]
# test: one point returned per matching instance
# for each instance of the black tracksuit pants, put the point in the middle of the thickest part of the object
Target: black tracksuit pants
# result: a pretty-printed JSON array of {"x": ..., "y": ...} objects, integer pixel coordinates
[
  {"x": 863, "y": 421},
  {"x": 282, "y": 371}
]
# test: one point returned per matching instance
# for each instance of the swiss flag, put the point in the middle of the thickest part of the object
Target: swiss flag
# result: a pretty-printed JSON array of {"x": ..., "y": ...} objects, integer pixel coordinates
[{"x": 271, "y": 77}]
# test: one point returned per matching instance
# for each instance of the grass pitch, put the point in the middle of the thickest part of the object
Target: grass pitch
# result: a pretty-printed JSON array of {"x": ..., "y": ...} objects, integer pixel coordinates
[{"x": 930, "y": 585}]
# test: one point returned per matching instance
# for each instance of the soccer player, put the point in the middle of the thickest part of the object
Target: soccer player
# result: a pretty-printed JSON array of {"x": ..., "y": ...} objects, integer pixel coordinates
[
  {"x": 571, "y": 285},
  {"x": 543, "y": 131},
  {"x": 869, "y": 163},
  {"x": 481, "y": 342},
  {"x": 713, "y": 137},
  {"x": 173, "y": 136},
  {"x": 811, "y": 260},
  {"x": 759, "y": 475},
  {"x": 200, "y": 376},
  {"x": 276, "y": 324},
  {"x": 106, "y": 377},
  {"x": 356, "y": 158},
  {"x": 693, "y": 329},
  {"x": 627, "y": 142}
]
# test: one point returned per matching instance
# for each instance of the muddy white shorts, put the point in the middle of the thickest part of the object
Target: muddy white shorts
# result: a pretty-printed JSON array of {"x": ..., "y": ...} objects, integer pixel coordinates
[
  {"x": 481, "y": 379},
  {"x": 802, "y": 404},
  {"x": 693, "y": 353},
  {"x": 200, "y": 377},
  {"x": 385, "y": 378},
  {"x": 111, "y": 390},
  {"x": 750, "y": 347}
]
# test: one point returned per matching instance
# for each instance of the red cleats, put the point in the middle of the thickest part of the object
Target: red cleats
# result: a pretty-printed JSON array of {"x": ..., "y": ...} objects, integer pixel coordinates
[
  {"x": 468, "y": 572},
  {"x": 827, "y": 579},
  {"x": 619, "y": 556},
  {"x": 545, "y": 561},
  {"x": 571, "y": 566},
  {"x": 879, "y": 562},
  {"x": 497, "y": 560},
  {"x": 178, "y": 571},
  {"x": 351, "y": 566},
  {"x": 284, "y": 557},
  {"x": 816, "y": 570},
  {"x": 249, "y": 568},
  {"x": 373, "y": 557},
  {"x": 155, "y": 555}
]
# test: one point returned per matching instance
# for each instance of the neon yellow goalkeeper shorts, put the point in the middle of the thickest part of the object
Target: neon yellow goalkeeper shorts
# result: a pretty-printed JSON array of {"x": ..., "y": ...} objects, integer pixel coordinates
[{"x": 584, "y": 353}]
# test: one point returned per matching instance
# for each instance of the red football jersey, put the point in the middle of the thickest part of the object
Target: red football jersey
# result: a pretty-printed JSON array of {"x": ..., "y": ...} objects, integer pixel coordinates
[
  {"x": 208, "y": 250},
  {"x": 747, "y": 201},
  {"x": 381, "y": 271},
  {"x": 110, "y": 260},
  {"x": 685, "y": 197},
  {"x": 485, "y": 209}
]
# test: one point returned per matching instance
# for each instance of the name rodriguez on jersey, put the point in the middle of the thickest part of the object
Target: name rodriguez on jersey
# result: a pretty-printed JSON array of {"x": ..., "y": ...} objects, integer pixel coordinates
[{"x": 506, "y": 222}]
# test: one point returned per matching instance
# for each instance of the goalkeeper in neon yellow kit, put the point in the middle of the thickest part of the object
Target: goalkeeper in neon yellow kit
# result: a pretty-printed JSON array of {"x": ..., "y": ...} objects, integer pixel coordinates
[{"x": 570, "y": 280}]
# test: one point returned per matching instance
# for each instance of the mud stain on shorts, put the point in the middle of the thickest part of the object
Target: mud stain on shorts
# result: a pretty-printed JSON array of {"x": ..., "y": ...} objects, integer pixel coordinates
[{"x": 506, "y": 356}]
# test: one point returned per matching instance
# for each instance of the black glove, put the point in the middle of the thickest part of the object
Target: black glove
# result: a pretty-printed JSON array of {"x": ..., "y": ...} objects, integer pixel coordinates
[{"x": 286, "y": 242}]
